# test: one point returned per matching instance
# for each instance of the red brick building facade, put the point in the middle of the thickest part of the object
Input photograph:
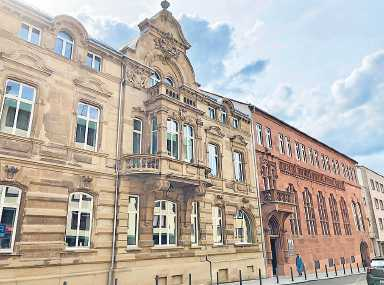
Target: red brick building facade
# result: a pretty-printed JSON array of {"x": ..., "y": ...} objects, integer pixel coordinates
[{"x": 311, "y": 199}]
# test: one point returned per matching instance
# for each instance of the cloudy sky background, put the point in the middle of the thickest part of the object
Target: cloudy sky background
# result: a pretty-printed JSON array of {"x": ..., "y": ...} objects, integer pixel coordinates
[{"x": 318, "y": 64}]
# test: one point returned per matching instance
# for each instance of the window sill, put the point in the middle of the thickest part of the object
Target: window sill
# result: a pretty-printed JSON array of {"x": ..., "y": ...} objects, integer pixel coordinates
[
  {"x": 244, "y": 244},
  {"x": 78, "y": 250},
  {"x": 217, "y": 245},
  {"x": 166, "y": 247},
  {"x": 133, "y": 248},
  {"x": 9, "y": 253},
  {"x": 196, "y": 247}
]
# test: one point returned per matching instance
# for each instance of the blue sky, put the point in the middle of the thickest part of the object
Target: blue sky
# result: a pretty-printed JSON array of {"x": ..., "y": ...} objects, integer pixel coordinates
[{"x": 318, "y": 64}]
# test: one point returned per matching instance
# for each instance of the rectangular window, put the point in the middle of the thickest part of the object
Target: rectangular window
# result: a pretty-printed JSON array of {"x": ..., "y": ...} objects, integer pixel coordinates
[
  {"x": 30, "y": 34},
  {"x": 377, "y": 186},
  {"x": 224, "y": 116},
  {"x": 381, "y": 205},
  {"x": 310, "y": 154},
  {"x": 288, "y": 146},
  {"x": 154, "y": 132},
  {"x": 213, "y": 159},
  {"x": 372, "y": 185},
  {"x": 376, "y": 203},
  {"x": 173, "y": 138},
  {"x": 212, "y": 113},
  {"x": 17, "y": 109},
  {"x": 327, "y": 166},
  {"x": 238, "y": 162},
  {"x": 87, "y": 126},
  {"x": 381, "y": 188},
  {"x": 133, "y": 220},
  {"x": 217, "y": 224},
  {"x": 259, "y": 134},
  {"x": 323, "y": 163},
  {"x": 381, "y": 223},
  {"x": 94, "y": 61},
  {"x": 298, "y": 152},
  {"x": 268, "y": 137},
  {"x": 316, "y": 157},
  {"x": 281, "y": 144},
  {"x": 189, "y": 139},
  {"x": 195, "y": 223},
  {"x": 235, "y": 123},
  {"x": 136, "y": 136},
  {"x": 303, "y": 153}
]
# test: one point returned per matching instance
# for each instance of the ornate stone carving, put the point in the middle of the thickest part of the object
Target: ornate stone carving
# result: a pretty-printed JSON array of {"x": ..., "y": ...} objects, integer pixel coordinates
[
  {"x": 85, "y": 182},
  {"x": 167, "y": 45},
  {"x": 11, "y": 171},
  {"x": 92, "y": 85},
  {"x": 245, "y": 200},
  {"x": 216, "y": 131},
  {"x": 137, "y": 78},
  {"x": 239, "y": 140},
  {"x": 27, "y": 60}
]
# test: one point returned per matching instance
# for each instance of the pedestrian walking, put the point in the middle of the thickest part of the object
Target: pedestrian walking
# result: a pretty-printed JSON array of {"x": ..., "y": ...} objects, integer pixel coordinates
[{"x": 299, "y": 265}]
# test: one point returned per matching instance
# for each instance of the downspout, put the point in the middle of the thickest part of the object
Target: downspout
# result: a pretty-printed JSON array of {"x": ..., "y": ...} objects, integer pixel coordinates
[
  {"x": 117, "y": 173},
  {"x": 256, "y": 178}
]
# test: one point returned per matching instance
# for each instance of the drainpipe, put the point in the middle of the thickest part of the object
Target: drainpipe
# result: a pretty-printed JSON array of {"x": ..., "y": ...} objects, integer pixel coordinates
[
  {"x": 256, "y": 178},
  {"x": 117, "y": 173},
  {"x": 210, "y": 267}
]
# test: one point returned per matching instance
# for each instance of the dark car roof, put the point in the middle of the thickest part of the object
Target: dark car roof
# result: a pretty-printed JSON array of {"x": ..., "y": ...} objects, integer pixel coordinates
[{"x": 378, "y": 258}]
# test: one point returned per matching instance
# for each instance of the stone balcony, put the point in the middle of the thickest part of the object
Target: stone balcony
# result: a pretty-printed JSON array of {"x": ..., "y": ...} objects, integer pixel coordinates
[
  {"x": 279, "y": 200},
  {"x": 180, "y": 173},
  {"x": 164, "y": 89}
]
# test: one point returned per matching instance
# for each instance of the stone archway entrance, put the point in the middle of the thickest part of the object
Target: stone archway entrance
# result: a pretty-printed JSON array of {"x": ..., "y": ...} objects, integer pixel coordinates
[
  {"x": 274, "y": 235},
  {"x": 364, "y": 251}
]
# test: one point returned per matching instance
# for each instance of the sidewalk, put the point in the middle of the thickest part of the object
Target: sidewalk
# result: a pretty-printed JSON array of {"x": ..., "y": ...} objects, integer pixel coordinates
[{"x": 283, "y": 280}]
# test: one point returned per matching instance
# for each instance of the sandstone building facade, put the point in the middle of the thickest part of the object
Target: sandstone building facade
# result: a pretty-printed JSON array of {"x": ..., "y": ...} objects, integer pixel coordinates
[
  {"x": 311, "y": 200},
  {"x": 372, "y": 187},
  {"x": 115, "y": 166}
]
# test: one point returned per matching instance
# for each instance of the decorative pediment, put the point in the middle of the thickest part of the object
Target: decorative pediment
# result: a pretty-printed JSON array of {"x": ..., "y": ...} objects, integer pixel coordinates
[
  {"x": 216, "y": 131},
  {"x": 27, "y": 60},
  {"x": 238, "y": 140},
  {"x": 167, "y": 45},
  {"x": 92, "y": 85}
]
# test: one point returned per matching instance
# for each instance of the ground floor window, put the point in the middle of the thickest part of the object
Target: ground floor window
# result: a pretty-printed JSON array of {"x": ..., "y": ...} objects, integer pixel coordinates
[
  {"x": 217, "y": 224},
  {"x": 243, "y": 233},
  {"x": 133, "y": 220},
  {"x": 195, "y": 223},
  {"x": 164, "y": 223}
]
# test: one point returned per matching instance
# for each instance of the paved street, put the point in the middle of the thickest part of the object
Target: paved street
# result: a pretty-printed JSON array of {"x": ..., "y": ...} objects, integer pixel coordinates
[{"x": 349, "y": 280}]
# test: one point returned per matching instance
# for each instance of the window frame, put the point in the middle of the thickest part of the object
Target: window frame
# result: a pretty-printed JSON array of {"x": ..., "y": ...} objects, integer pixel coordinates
[
  {"x": 195, "y": 222},
  {"x": 248, "y": 231},
  {"x": 19, "y": 100},
  {"x": 30, "y": 29},
  {"x": 65, "y": 42},
  {"x": 288, "y": 146},
  {"x": 238, "y": 165},
  {"x": 168, "y": 216},
  {"x": 69, "y": 221},
  {"x": 323, "y": 214},
  {"x": 259, "y": 134},
  {"x": 174, "y": 134},
  {"x": 87, "y": 119},
  {"x": 235, "y": 123},
  {"x": 216, "y": 159},
  {"x": 189, "y": 140},
  {"x": 345, "y": 217},
  {"x": 211, "y": 113},
  {"x": 139, "y": 134},
  {"x": 335, "y": 215},
  {"x": 223, "y": 116},
  {"x": 154, "y": 133},
  {"x": 309, "y": 211},
  {"x": 92, "y": 66},
  {"x": 137, "y": 220},
  {"x": 217, "y": 220},
  {"x": 281, "y": 144},
  {"x": 268, "y": 137},
  {"x": 15, "y": 206},
  {"x": 154, "y": 79}
]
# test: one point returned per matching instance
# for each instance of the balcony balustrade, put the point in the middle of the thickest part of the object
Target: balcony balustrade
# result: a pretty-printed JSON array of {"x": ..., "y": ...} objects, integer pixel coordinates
[
  {"x": 277, "y": 196},
  {"x": 164, "y": 89}
]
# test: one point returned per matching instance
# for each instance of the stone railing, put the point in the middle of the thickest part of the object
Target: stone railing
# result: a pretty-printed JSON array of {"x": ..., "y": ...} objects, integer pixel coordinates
[
  {"x": 164, "y": 89},
  {"x": 141, "y": 162},
  {"x": 277, "y": 196}
]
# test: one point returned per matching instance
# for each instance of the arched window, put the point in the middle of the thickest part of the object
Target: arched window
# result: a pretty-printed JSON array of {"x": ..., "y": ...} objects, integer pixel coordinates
[
  {"x": 357, "y": 216},
  {"x": 137, "y": 135},
  {"x": 243, "y": 230},
  {"x": 164, "y": 223},
  {"x": 173, "y": 138},
  {"x": 335, "y": 215},
  {"x": 9, "y": 209},
  {"x": 217, "y": 224},
  {"x": 64, "y": 45},
  {"x": 169, "y": 81},
  {"x": 294, "y": 218},
  {"x": 309, "y": 212},
  {"x": 345, "y": 216},
  {"x": 79, "y": 220},
  {"x": 189, "y": 138},
  {"x": 323, "y": 214},
  {"x": 154, "y": 79}
]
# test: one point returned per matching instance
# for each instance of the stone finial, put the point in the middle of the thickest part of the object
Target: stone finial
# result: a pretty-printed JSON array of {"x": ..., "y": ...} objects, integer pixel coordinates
[{"x": 165, "y": 5}]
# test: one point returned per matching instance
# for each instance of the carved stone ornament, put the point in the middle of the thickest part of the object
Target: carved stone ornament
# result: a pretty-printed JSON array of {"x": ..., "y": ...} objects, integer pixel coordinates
[
  {"x": 92, "y": 85},
  {"x": 137, "y": 78},
  {"x": 239, "y": 140},
  {"x": 85, "y": 182},
  {"x": 167, "y": 45},
  {"x": 245, "y": 200},
  {"x": 216, "y": 131},
  {"x": 200, "y": 190},
  {"x": 11, "y": 171}
]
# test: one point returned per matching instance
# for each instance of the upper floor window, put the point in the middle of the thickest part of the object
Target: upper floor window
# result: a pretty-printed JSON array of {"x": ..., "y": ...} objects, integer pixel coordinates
[
  {"x": 316, "y": 157},
  {"x": 281, "y": 144},
  {"x": 381, "y": 188},
  {"x": 238, "y": 162},
  {"x": 79, "y": 220},
  {"x": 327, "y": 166},
  {"x": 164, "y": 223},
  {"x": 213, "y": 159},
  {"x": 223, "y": 116},
  {"x": 173, "y": 138},
  {"x": 335, "y": 215},
  {"x": 377, "y": 186},
  {"x": 259, "y": 134},
  {"x": 358, "y": 216},
  {"x": 133, "y": 220},
  {"x": 154, "y": 79},
  {"x": 64, "y": 45},
  {"x": 376, "y": 203},
  {"x": 288, "y": 146},
  {"x": 169, "y": 81},
  {"x": 30, "y": 34},
  {"x": 9, "y": 210},
  {"x": 311, "y": 158},
  {"x": 195, "y": 223},
  {"x": 345, "y": 216},
  {"x": 309, "y": 212},
  {"x": 268, "y": 137},
  {"x": 303, "y": 153},
  {"x": 337, "y": 167},
  {"x": 294, "y": 218},
  {"x": 189, "y": 139},
  {"x": 235, "y": 123},
  {"x": 17, "y": 109},
  {"x": 372, "y": 184},
  {"x": 323, "y": 163},
  {"x": 298, "y": 151},
  {"x": 87, "y": 126},
  {"x": 323, "y": 214},
  {"x": 333, "y": 166},
  {"x": 217, "y": 224},
  {"x": 242, "y": 225},
  {"x": 381, "y": 205},
  {"x": 212, "y": 113},
  {"x": 137, "y": 136},
  {"x": 94, "y": 61},
  {"x": 154, "y": 132},
  {"x": 381, "y": 224}
]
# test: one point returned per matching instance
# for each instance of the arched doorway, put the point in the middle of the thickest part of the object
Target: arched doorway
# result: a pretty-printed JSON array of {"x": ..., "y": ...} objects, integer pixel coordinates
[
  {"x": 273, "y": 231},
  {"x": 365, "y": 259}
]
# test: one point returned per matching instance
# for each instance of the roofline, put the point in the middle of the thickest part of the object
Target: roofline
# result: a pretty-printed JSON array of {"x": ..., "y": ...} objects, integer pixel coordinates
[
  {"x": 374, "y": 171},
  {"x": 254, "y": 108}
]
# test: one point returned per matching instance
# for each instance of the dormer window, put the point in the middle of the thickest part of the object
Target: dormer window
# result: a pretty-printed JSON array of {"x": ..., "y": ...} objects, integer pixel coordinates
[
  {"x": 154, "y": 79},
  {"x": 212, "y": 113},
  {"x": 169, "y": 81},
  {"x": 64, "y": 45},
  {"x": 235, "y": 123}
]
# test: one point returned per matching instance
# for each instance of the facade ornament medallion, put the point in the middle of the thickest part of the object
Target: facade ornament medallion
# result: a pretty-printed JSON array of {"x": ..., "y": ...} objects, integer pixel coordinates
[
  {"x": 85, "y": 182},
  {"x": 137, "y": 78},
  {"x": 11, "y": 171},
  {"x": 167, "y": 45}
]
